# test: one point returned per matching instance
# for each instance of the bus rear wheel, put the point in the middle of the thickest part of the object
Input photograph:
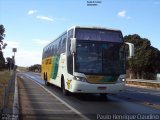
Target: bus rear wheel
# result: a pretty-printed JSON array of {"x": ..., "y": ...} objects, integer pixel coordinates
[{"x": 46, "y": 80}]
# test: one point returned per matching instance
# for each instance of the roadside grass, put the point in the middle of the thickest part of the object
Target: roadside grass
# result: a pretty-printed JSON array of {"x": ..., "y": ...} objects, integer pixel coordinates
[
  {"x": 5, "y": 76},
  {"x": 1, "y": 96},
  {"x": 11, "y": 100}
]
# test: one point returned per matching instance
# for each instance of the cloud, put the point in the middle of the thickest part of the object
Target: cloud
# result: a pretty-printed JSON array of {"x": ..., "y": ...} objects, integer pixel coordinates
[
  {"x": 122, "y": 13},
  {"x": 30, "y": 12},
  {"x": 12, "y": 44},
  {"x": 23, "y": 57},
  {"x": 44, "y": 18},
  {"x": 41, "y": 42},
  {"x": 28, "y": 57}
]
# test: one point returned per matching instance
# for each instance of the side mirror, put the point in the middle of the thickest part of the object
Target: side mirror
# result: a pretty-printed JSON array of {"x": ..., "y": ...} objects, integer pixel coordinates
[
  {"x": 73, "y": 45},
  {"x": 131, "y": 49}
]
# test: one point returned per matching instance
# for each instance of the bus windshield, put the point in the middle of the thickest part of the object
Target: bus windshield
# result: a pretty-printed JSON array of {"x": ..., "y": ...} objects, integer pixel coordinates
[
  {"x": 106, "y": 58},
  {"x": 99, "y": 35}
]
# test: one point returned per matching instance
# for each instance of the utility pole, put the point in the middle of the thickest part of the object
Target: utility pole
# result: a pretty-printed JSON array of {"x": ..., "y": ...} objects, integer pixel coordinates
[{"x": 14, "y": 50}]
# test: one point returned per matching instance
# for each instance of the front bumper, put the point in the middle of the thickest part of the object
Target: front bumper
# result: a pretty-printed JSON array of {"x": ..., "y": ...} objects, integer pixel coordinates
[{"x": 85, "y": 87}]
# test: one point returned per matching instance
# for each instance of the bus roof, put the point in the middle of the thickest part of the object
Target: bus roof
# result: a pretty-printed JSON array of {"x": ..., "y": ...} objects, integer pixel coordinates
[
  {"x": 93, "y": 27},
  {"x": 89, "y": 27}
]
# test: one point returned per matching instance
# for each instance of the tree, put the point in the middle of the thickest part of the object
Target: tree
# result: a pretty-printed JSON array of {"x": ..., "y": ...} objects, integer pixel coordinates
[
  {"x": 146, "y": 61},
  {"x": 2, "y": 35},
  {"x": 2, "y": 46},
  {"x": 2, "y": 61},
  {"x": 35, "y": 68},
  {"x": 10, "y": 63}
]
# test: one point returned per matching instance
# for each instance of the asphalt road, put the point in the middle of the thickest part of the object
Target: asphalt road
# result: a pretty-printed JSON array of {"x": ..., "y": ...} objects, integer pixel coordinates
[{"x": 132, "y": 101}]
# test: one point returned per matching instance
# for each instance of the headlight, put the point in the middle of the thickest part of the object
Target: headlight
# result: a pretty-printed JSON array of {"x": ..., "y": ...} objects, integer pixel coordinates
[
  {"x": 121, "y": 80},
  {"x": 80, "y": 79}
]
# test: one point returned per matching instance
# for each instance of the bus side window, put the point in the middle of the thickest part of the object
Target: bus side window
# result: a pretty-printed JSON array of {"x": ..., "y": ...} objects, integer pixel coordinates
[
  {"x": 43, "y": 54},
  {"x": 56, "y": 48},
  {"x": 63, "y": 44},
  {"x": 47, "y": 52},
  {"x": 59, "y": 46},
  {"x": 70, "y": 56},
  {"x": 53, "y": 50},
  {"x": 50, "y": 51}
]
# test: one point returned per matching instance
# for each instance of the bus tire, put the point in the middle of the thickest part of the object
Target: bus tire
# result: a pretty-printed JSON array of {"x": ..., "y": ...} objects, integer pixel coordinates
[
  {"x": 64, "y": 91},
  {"x": 103, "y": 95},
  {"x": 46, "y": 80}
]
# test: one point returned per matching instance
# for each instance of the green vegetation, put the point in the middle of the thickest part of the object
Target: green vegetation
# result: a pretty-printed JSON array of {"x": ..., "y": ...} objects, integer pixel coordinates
[
  {"x": 35, "y": 68},
  {"x": 22, "y": 69},
  {"x": 146, "y": 62},
  {"x": 2, "y": 46},
  {"x": 2, "y": 61},
  {"x": 5, "y": 76}
]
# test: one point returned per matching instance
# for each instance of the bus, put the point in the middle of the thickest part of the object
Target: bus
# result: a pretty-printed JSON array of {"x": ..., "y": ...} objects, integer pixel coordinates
[{"x": 86, "y": 60}]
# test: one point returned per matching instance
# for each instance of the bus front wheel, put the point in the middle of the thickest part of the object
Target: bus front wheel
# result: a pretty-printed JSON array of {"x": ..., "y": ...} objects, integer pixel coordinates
[
  {"x": 103, "y": 95},
  {"x": 64, "y": 91}
]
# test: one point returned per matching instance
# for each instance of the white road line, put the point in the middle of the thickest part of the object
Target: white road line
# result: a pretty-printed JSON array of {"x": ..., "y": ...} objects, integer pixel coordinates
[
  {"x": 47, "y": 102},
  {"x": 36, "y": 98},
  {"x": 34, "y": 94},
  {"x": 36, "y": 91},
  {"x": 76, "y": 111},
  {"x": 50, "y": 100},
  {"x": 33, "y": 109},
  {"x": 136, "y": 91},
  {"x": 156, "y": 94}
]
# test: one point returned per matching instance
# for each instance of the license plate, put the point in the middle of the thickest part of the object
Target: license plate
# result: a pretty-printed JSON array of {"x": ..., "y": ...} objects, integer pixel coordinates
[{"x": 101, "y": 88}]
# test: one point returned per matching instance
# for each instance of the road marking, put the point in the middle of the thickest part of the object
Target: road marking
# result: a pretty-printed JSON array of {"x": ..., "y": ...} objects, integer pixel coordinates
[
  {"x": 136, "y": 91},
  {"x": 145, "y": 87},
  {"x": 33, "y": 109},
  {"x": 34, "y": 94},
  {"x": 153, "y": 105},
  {"x": 50, "y": 100},
  {"x": 36, "y": 98},
  {"x": 146, "y": 103},
  {"x": 76, "y": 111},
  {"x": 47, "y": 103}
]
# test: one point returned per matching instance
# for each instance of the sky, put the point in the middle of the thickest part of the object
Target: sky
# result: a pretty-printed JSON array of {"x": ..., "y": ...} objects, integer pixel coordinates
[{"x": 32, "y": 24}]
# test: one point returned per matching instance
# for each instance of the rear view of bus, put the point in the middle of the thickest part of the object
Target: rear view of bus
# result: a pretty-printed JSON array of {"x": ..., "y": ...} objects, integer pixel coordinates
[{"x": 94, "y": 61}]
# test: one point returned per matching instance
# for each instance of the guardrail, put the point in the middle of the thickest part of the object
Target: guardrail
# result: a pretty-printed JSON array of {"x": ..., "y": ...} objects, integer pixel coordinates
[{"x": 144, "y": 83}]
